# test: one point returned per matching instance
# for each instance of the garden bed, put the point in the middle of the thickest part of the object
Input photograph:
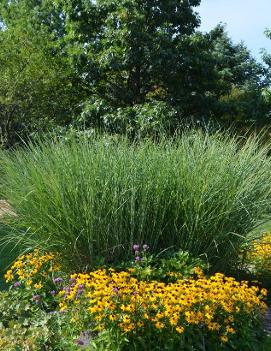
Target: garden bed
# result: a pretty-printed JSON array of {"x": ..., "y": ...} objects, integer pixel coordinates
[
  {"x": 79, "y": 281},
  {"x": 125, "y": 308}
]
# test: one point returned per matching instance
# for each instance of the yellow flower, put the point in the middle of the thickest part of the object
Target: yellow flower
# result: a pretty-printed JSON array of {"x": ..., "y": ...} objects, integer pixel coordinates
[
  {"x": 29, "y": 265},
  {"x": 224, "y": 338},
  {"x": 159, "y": 325},
  {"x": 179, "y": 330},
  {"x": 264, "y": 292},
  {"x": 38, "y": 285},
  {"x": 126, "y": 319},
  {"x": 128, "y": 303},
  {"x": 173, "y": 321},
  {"x": 62, "y": 306},
  {"x": 230, "y": 330},
  {"x": 9, "y": 276}
]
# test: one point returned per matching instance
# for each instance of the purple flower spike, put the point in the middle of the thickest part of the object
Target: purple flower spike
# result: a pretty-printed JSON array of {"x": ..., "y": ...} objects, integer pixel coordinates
[
  {"x": 58, "y": 280},
  {"x": 81, "y": 286},
  {"x": 146, "y": 247},
  {"x": 16, "y": 284},
  {"x": 53, "y": 292},
  {"x": 116, "y": 290},
  {"x": 79, "y": 293},
  {"x": 136, "y": 247},
  {"x": 137, "y": 259}
]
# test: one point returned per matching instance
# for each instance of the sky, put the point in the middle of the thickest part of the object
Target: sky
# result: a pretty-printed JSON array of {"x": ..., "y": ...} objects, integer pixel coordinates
[{"x": 246, "y": 20}]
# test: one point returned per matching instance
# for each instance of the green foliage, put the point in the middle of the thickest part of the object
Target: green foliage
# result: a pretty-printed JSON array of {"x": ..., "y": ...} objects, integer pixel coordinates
[
  {"x": 7, "y": 254},
  {"x": 199, "y": 193},
  {"x": 36, "y": 82},
  {"x": 126, "y": 49},
  {"x": 29, "y": 320},
  {"x": 167, "y": 266},
  {"x": 132, "y": 57},
  {"x": 23, "y": 326},
  {"x": 238, "y": 82},
  {"x": 122, "y": 66},
  {"x": 26, "y": 326},
  {"x": 148, "y": 119},
  {"x": 266, "y": 92}
]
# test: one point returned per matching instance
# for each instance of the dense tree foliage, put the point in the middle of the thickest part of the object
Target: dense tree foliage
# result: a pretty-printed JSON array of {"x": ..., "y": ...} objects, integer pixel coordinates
[
  {"x": 37, "y": 84},
  {"x": 121, "y": 65}
]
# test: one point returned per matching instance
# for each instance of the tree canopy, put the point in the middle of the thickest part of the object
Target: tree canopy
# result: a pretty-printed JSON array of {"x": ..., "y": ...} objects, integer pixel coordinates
[{"x": 97, "y": 62}]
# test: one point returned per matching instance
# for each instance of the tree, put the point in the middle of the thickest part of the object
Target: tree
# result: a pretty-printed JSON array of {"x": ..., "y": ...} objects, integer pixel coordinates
[
  {"x": 66, "y": 61},
  {"x": 129, "y": 53},
  {"x": 36, "y": 82},
  {"x": 125, "y": 50},
  {"x": 242, "y": 80}
]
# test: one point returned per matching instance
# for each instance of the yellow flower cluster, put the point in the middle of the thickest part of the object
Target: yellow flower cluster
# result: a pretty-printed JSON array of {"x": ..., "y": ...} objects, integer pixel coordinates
[
  {"x": 262, "y": 248},
  {"x": 117, "y": 298},
  {"x": 31, "y": 265},
  {"x": 260, "y": 253}
]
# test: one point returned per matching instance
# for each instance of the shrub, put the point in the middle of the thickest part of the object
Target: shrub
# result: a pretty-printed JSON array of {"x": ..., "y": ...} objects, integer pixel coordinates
[
  {"x": 199, "y": 193},
  {"x": 139, "y": 120}
]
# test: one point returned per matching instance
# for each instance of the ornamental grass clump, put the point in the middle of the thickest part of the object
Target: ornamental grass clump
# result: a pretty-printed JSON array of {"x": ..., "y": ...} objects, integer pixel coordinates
[
  {"x": 90, "y": 199},
  {"x": 215, "y": 313}
]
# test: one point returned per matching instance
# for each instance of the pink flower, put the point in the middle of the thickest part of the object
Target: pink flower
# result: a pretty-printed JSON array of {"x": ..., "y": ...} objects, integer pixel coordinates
[{"x": 136, "y": 247}]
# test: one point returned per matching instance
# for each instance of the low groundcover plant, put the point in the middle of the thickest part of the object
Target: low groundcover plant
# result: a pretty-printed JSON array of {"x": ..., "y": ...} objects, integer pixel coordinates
[{"x": 27, "y": 321}]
